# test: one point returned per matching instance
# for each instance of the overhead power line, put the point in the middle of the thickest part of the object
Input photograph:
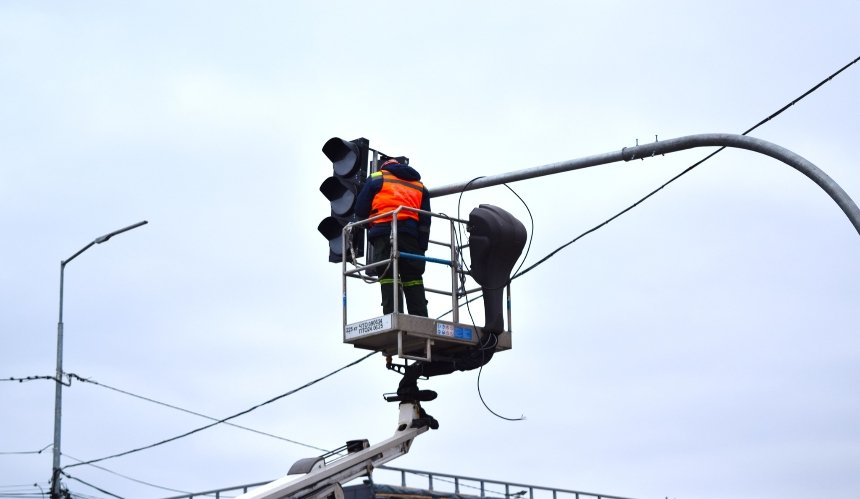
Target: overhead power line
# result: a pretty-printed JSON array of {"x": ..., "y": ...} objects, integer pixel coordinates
[
  {"x": 518, "y": 274},
  {"x": 130, "y": 478},
  {"x": 141, "y": 397},
  {"x": 246, "y": 411},
  {"x": 655, "y": 191},
  {"x": 21, "y": 453},
  {"x": 27, "y": 378},
  {"x": 690, "y": 168},
  {"x": 103, "y": 491},
  {"x": 187, "y": 411},
  {"x": 22, "y": 490}
]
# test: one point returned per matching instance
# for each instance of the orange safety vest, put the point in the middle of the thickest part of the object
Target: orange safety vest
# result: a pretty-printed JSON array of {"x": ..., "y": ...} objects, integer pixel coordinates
[{"x": 396, "y": 192}]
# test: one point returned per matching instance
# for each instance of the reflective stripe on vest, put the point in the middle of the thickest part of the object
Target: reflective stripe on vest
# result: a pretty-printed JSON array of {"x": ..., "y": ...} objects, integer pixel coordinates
[{"x": 396, "y": 192}]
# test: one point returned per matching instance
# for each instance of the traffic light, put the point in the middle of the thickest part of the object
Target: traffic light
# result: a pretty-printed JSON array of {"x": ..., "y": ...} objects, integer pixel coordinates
[
  {"x": 496, "y": 240},
  {"x": 349, "y": 166}
]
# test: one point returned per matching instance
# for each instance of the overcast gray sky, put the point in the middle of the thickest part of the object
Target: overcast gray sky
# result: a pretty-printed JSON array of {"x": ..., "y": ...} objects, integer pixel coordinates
[{"x": 703, "y": 345}]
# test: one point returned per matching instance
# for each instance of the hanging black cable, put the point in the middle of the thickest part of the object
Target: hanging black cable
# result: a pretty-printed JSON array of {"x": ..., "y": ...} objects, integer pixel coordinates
[{"x": 484, "y": 348}]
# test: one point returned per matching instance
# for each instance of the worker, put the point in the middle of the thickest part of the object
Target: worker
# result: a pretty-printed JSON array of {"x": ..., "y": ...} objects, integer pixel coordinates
[{"x": 397, "y": 184}]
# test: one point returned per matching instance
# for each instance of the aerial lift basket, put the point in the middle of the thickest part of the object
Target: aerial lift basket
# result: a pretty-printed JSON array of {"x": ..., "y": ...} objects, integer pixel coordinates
[{"x": 409, "y": 336}]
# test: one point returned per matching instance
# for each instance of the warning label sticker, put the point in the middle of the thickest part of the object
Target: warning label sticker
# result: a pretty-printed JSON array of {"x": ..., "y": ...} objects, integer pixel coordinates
[{"x": 369, "y": 326}]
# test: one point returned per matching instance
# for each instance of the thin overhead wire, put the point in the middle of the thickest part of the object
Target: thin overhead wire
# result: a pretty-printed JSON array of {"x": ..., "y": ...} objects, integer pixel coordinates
[
  {"x": 22, "y": 453},
  {"x": 103, "y": 491},
  {"x": 22, "y": 490},
  {"x": 687, "y": 170},
  {"x": 136, "y": 480},
  {"x": 520, "y": 273},
  {"x": 187, "y": 411},
  {"x": 246, "y": 411},
  {"x": 27, "y": 378}
]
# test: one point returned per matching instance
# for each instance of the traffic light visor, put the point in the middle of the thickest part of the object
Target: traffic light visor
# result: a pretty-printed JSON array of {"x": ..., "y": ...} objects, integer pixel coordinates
[
  {"x": 344, "y": 156},
  {"x": 341, "y": 197},
  {"x": 332, "y": 230}
]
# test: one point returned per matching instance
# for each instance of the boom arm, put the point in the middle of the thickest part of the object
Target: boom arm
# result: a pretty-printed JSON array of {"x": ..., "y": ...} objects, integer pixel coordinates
[{"x": 322, "y": 480}]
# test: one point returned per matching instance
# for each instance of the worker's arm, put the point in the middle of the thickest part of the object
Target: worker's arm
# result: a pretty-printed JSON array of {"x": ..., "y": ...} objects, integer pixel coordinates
[{"x": 364, "y": 201}]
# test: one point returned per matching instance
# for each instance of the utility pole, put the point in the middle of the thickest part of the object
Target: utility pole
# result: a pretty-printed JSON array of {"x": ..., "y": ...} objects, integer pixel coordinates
[{"x": 58, "y": 393}]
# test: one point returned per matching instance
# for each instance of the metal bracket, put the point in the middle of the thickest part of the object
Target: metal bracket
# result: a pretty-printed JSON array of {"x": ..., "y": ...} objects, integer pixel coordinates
[{"x": 400, "y": 353}]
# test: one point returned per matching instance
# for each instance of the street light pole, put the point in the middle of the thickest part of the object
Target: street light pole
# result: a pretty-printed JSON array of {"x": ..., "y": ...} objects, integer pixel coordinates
[
  {"x": 723, "y": 140},
  {"x": 58, "y": 393}
]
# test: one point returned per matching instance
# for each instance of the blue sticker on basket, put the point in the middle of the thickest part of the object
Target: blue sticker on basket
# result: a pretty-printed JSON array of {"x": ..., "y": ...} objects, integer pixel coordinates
[
  {"x": 464, "y": 333},
  {"x": 452, "y": 331}
]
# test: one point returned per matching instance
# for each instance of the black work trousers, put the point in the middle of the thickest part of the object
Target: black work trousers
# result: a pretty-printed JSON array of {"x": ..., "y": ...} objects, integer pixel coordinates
[{"x": 411, "y": 275}]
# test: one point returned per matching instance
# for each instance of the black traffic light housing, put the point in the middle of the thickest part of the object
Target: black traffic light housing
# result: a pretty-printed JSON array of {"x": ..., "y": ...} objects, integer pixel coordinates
[
  {"x": 349, "y": 167},
  {"x": 496, "y": 240}
]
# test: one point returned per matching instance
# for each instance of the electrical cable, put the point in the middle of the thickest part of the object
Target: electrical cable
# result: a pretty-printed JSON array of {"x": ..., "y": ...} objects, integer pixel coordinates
[
  {"x": 28, "y": 378},
  {"x": 187, "y": 411},
  {"x": 531, "y": 232},
  {"x": 520, "y": 273},
  {"x": 485, "y": 347},
  {"x": 459, "y": 234},
  {"x": 128, "y": 477},
  {"x": 353, "y": 260},
  {"x": 481, "y": 369},
  {"x": 103, "y": 491},
  {"x": 79, "y": 495},
  {"x": 687, "y": 170},
  {"x": 22, "y": 490},
  {"x": 19, "y": 453},
  {"x": 246, "y": 411}
]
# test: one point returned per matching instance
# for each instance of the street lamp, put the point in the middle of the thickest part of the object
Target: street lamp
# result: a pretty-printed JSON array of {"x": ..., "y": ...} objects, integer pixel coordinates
[{"x": 58, "y": 394}]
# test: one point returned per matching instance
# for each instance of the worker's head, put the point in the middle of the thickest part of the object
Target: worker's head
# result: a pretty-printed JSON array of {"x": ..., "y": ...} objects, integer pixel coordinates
[{"x": 388, "y": 161}]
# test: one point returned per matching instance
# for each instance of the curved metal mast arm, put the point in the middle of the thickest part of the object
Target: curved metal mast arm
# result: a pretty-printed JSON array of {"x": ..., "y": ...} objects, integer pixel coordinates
[{"x": 848, "y": 206}]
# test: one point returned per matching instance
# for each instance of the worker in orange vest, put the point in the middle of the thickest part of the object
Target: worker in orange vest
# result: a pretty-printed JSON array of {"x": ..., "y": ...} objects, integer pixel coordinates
[{"x": 396, "y": 184}]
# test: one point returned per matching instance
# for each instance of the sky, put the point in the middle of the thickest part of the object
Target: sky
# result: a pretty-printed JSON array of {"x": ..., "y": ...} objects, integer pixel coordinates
[{"x": 702, "y": 345}]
